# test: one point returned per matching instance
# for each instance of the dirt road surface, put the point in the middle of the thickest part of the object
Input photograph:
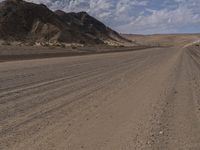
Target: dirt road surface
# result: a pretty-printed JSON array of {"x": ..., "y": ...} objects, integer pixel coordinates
[{"x": 140, "y": 100}]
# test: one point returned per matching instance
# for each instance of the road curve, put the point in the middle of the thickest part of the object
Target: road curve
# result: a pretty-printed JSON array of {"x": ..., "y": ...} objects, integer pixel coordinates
[{"x": 142, "y": 100}]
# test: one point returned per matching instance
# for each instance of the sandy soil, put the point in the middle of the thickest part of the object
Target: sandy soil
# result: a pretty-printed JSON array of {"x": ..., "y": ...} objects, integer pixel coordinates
[
  {"x": 163, "y": 39},
  {"x": 120, "y": 101}
]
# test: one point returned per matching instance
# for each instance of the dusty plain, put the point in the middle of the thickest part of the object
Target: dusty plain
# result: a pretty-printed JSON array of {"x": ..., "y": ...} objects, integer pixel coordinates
[{"x": 134, "y": 100}]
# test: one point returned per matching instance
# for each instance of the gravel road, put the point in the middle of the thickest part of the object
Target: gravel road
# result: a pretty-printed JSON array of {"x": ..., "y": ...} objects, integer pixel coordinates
[{"x": 139, "y": 100}]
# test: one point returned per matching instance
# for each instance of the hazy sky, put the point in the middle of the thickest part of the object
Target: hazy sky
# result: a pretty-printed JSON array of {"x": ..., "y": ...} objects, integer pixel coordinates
[{"x": 138, "y": 16}]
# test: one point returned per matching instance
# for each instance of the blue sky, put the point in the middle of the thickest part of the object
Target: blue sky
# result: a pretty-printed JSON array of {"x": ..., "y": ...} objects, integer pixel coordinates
[{"x": 138, "y": 16}]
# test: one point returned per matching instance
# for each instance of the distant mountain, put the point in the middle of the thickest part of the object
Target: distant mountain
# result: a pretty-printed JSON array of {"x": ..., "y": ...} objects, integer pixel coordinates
[{"x": 25, "y": 21}]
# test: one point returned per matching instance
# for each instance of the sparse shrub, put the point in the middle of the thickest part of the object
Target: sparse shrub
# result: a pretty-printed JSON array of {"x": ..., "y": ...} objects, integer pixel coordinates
[
  {"x": 121, "y": 46},
  {"x": 6, "y": 43},
  {"x": 82, "y": 42},
  {"x": 74, "y": 46},
  {"x": 62, "y": 45},
  {"x": 31, "y": 43},
  {"x": 45, "y": 44}
]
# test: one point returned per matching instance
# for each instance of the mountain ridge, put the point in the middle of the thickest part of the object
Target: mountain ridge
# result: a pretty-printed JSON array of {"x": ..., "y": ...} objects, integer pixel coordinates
[{"x": 26, "y": 21}]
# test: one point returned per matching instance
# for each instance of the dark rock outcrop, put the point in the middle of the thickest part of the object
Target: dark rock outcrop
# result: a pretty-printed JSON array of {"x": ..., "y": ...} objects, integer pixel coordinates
[{"x": 25, "y": 21}]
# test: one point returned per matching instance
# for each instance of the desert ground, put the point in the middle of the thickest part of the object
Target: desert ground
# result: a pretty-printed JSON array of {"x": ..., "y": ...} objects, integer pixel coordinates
[
  {"x": 14, "y": 52},
  {"x": 163, "y": 39},
  {"x": 134, "y": 100}
]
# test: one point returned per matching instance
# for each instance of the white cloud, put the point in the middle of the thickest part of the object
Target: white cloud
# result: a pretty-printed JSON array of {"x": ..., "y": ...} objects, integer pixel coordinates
[{"x": 163, "y": 21}]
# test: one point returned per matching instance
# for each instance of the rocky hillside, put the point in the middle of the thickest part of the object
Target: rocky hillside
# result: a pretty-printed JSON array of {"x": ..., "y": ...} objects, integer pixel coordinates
[{"x": 25, "y": 21}]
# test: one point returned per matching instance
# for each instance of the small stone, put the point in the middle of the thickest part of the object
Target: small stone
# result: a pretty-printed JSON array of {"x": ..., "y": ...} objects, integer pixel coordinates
[
  {"x": 148, "y": 142},
  {"x": 161, "y": 132}
]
